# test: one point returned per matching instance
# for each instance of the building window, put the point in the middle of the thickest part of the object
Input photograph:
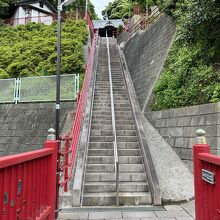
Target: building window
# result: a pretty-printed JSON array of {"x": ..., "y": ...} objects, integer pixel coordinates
[{"x": 41, "y": 4}]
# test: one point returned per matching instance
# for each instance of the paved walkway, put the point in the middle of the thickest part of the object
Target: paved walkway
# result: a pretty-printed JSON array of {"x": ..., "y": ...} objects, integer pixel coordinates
[{"x": 170, "y": 212}]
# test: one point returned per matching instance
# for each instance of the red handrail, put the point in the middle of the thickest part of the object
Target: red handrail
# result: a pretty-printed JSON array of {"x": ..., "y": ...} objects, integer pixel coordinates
[
  {"x": 90, "y": 23},
  {"x": 28, "y": 184},
  {"x": 69, "y": 162}
]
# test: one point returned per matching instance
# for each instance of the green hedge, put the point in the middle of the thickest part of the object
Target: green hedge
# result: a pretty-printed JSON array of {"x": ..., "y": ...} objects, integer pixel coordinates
[
  {"x": 191, "y": 74},
  {"x": 30, "y": 50}
]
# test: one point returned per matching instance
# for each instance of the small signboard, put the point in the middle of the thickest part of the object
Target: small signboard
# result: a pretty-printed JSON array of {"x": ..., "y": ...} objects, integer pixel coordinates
[{"x": 208, "y": 176}]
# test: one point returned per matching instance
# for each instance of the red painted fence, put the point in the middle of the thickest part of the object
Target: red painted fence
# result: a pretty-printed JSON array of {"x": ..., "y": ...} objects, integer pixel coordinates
[
  {"x": 90, "y": 23},
  {"x": 28, "y": 184},
  {"x": 69, "y": 162},
  {"x": 207, "y": 182}
]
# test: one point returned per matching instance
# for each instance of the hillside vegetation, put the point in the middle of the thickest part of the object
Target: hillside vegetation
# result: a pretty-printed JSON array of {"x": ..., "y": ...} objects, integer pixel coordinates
[
  {"x": 30, "y": 50},
  {"x": 191, "y": 74}
]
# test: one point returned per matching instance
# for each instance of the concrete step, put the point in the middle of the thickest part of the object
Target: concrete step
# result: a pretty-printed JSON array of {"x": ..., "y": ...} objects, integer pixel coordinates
[
  {"x": 129, "y": 152},
  {"x": 97, "y": 113},
  {"x": 125, "y": 168},
  {"x": 110, "y": 159},
  {"x": 103, "y": 127},
  {"x": 109, "y": 117},
  {"x": 128, "y": 145},
  {"x": 101, "y": 117},
  {"x": 110, "y": 152},
  {"x": 107, "y": 103},
  {"x": 123, "y": 109},
  {"x": 109, "y": 145},
  {"x": 106, "y": 79},
  {"x": 92, "y": 168},
  {"x": 123, "y": 177},
  {"x": 101, "y": 132},
  {"x": 125, "y": 132},
  {"x": 110, "y": 138},
  {"x": 104, "y": 91},
  {"x": 95, "y": 187},
  {"x": 124, "y": 122},
  {"x": 101, "y": 152},
  {"x": 122, "y": 130},
  {"x": 127, "y": 139},
  {"x": 109, "y": 199},
  {"x": 116, "y": 98},
  {"x": 101, "y": 122},
  {"x": 101, "y": 139}
]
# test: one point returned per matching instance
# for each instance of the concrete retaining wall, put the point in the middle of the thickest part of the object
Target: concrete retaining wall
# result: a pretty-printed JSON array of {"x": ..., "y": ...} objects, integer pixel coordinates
[
  {"x": 123, "y": 37},
  {"x": 178, "y": 127},
  {"x": 24, "y": 127},
  {"x": 145, "y": 54}
]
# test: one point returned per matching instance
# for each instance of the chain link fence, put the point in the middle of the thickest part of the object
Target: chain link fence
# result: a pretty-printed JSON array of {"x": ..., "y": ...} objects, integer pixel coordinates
[
  {"x": 7, "y": 90},
  {"x": 39, "y": 89}
]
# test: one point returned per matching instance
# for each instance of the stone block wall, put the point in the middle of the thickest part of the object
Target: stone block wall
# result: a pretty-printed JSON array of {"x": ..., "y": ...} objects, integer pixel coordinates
[
  {"x": 23, "y": 127},
  {"x": 145, "y": 54},
  {"x": 178, "y": 127}
]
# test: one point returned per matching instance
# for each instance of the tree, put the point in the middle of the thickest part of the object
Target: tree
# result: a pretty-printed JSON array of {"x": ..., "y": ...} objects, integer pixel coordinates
[
  {"x": 191, "y": 75},
  {"x": 27, "y": 50},
  {"x": 118, "y": 9},
  {"x": 4, "y": 6},
  {"x": 80, "y": 5}
]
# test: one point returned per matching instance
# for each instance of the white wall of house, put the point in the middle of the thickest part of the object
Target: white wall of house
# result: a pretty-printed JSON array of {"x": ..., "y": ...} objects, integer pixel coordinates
[
  {"x": 46, "y": 19},
  {"x": 20, "y": 15},
  {"x": 35, "y": 16},
  {"x": 21, "y": 18}
]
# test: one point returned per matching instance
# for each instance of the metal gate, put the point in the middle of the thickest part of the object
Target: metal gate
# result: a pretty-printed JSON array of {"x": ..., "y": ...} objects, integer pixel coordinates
[{"x": 206, "y": 180}]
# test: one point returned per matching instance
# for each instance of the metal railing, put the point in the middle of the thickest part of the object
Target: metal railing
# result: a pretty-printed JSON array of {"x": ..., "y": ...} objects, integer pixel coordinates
[
  {"x": 113, "y": 125},
  {"x": 28, "y": 184},
  {"x": 89, "y": 22},
  {"x": 38, "y": 89},
  {"x": 145, "y": 21}
]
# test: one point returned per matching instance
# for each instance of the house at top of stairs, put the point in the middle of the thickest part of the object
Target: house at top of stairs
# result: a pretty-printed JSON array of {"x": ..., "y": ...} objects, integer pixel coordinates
[{"x": 38, "y": 11}]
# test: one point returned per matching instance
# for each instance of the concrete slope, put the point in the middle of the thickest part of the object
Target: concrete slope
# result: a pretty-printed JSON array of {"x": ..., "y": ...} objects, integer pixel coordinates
[{"x": 175, "y": 179}]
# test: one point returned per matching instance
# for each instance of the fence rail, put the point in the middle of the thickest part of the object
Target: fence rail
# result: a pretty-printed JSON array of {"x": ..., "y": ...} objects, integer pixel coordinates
[
  {"x": 38, "y": 89},
  {"x": 7, "y": 90},
  {"x": 28, "y": 184},
  {"x": 46, "y": 19},
  {"x": 116, "y": 159},
  {"x": 206, "y": 180},
  {"x": 145, "y": 22}
]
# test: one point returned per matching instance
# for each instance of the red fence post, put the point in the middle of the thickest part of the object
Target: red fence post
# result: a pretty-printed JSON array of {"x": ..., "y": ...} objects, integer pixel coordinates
[
  {"x": 200, "y": 147},
  {"x": 52, "y": 175},
  {"x": 66, "y": 174}
]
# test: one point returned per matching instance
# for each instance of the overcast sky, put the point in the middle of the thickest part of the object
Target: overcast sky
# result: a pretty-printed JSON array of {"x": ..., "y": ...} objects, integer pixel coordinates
[{"x": 100, "y": 5}]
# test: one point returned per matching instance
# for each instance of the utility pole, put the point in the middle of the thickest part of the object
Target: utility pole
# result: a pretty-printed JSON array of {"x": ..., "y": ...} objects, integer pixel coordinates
[
  {"x": 129, "y": 10},
  {"x": 86, "y": 9},
  {"x": 147, "y": 11}
]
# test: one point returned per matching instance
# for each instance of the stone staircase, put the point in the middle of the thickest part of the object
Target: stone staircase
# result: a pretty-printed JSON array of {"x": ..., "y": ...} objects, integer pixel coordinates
[{"x": 99, "y": 183}]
